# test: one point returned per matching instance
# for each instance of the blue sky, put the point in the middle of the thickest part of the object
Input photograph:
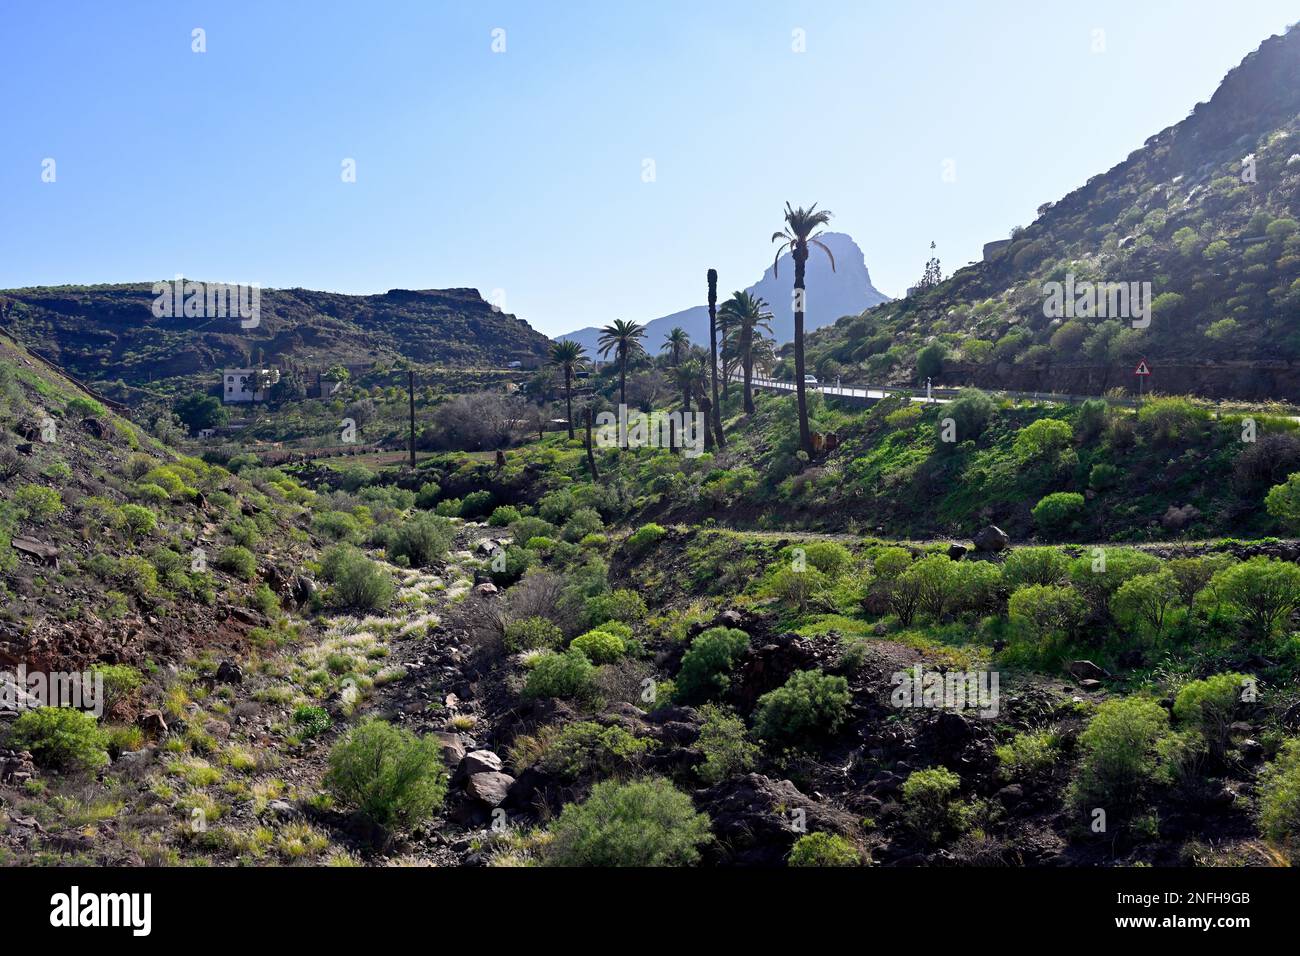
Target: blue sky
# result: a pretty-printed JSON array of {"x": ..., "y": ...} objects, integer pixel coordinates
[{"x": 524, "y": 171}]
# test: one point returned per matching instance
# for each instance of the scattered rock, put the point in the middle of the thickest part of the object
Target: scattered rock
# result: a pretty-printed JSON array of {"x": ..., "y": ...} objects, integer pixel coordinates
[
  {"x": 153, "y": 723},
  {"x": 16, "y": 767},
  {"x": 96, "y": 428},
  {"x": 991, "y": 538},
  {"x": 480, "y": 761},
  {"x": 453, "y": 748},
  {"x": 486, "y": 589},
  {"x": 956, "y": 551},
  {"x": 1176, "y": 519},
  {"x": 281, "y": 810},
  {"x": 490, "y": 787},
  {"x": 229, "y": 672},
  {"x": 1089, "y": 685}
]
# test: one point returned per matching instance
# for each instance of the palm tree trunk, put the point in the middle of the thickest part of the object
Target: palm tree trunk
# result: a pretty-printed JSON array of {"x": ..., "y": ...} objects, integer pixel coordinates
[
  {"x": 800, "y": 258},
  {"x": 709, "y": 427},
  {"x": 591, "y": 455},
  {"x": 568, "y": 399},
  {"x": 747, "y": 359},
  {"x": 622, "y": 381},
  {"x": 714, "y": 410}
]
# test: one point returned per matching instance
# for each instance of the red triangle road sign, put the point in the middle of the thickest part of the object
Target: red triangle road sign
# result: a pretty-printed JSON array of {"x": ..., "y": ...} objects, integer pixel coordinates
[{"x": 1142, "y": 368}]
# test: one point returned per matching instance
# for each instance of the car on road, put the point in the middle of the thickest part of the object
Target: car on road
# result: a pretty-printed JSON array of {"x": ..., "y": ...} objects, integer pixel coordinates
[{"x": 810, "y": 379}]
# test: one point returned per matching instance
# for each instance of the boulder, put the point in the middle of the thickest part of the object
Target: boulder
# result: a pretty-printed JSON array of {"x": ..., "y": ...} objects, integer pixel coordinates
[
  {"x": 228, "y": 672},
  {"x": 480, "y": 761},
  {"x": 153, "y": 723},
  {"x": 991, "y": 538},
  {"x": 96, "y": 428},
  {"x": 453, "y": 748},
  {"x": 756, "y": 819},
  {"x": 486, "y": 589},
  {"x": 956, "y": 551},
  {"x": 16, "y": 767},
  {"x": 490, "y": 788}
]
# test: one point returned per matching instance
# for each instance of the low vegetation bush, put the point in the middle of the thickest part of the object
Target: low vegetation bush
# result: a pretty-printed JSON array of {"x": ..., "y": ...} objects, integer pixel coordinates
[
  {"x": 357, "y": 583},
  {"x": 1279, "y": 800},
  {"x": 599, "y": 646},
  {"x": 929, "y": 805},
  {"x": 1120, "y": 755},
  {"x": 60, "y": 737},
  {"x": 724, "y": 742},
  {"x": 1058, "y": 512},
  {"x": 1034, "y": 566},
  {"x": 642, "y": 823},
  {"x": 389, "y": 775},
  {"x": 823, "y": 849},
  {"x": 567, "y": 675},
  {"x": 1209, "y": 706},
  {"x": 808, "y": 705},
  {"x": 238, "y": 561},
  {"x": 503, "y": 516},
  {"x": 532, "y": 633},
  {"x": 421, "y": 540},
  {"x": 644, "y": 537},
  {"x": 705, "y": 669},
  {"x": 621, "y": 605},
  {"x": 584, "y": 747}
]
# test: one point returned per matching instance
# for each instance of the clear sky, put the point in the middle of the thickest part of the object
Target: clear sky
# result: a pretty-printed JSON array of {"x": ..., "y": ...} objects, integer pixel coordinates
[{"x": 525, "y": 170}]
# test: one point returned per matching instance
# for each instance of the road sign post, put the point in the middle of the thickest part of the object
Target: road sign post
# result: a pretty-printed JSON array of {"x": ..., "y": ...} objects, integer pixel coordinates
[{"x": 1142, "y": 371}]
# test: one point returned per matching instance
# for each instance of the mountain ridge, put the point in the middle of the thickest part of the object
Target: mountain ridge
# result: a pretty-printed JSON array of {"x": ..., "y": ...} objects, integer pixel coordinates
[{"x": 847, "y": 290}]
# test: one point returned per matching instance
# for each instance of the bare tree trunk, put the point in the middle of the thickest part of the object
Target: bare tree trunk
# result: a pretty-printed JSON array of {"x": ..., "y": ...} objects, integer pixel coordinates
[{"x": 568, "y": 399}]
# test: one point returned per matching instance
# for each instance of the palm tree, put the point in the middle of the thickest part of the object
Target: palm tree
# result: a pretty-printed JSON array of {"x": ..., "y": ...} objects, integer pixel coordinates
[
  {"x": 744, "y": 315},
  {"x": 714, "y": 410},
  {"x": 797, "y": 236},
  {"x": 677, "y": 339},
  {"x": 568, "y": 356},
  {"x": 692, "y": 378},
  {"x": 624, "y": 340}
]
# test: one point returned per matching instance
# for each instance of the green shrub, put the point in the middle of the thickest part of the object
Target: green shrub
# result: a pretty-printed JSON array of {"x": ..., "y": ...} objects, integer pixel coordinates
[
  {"x": 1034, "y": 566},
  {"x": 585, "y": 747},
  {"x": 644, "y": 537},
  {"x": 448, "y": 508},
  {"x": 795, "y": 589},
  {"x": 1042, "y": 440},
  {"x": 620, "y": 605},
  {"x": 1279, "y": 800},
  {"x": 725, "y": 744},
  {"x": 581, "y": 523},
  {"x": 1098, "y": 574},
  {"x": 643, "y": 823},
  {"x": 823, "y": 849},
  {"x": 60, "y": 737},
  {"x": 427, "y": 496},
  {"x": 829, "y": 557},
  {"x": 1143, "y": 603},
  {"x": 509, "y": 566},
  {"x": 358, "y": 583},
  {"x": 140, "y": 521},
  {"x": 928, "y": 805},
  {"x": 1028, "y": 755},
  {"x": 311, "y": 720},
  {"x": 525, "y": 529},
  {"x": 1059, "y": 511},
  {"x": 237, "y": 560},
  {"x": 1283, "y": 502},
  {"x": 136, "y": 574},
  {"x": 556, "y": 506},
  {"x": 265, "y": 600},
  {"x": 1265, "y": 591},
  {"x": 121, "y": 683},
  {"x": 1120, "y": 754},
  {"x": 1208, "y": 706},
  {"x": 476, "y": 504},
  {"x": 532, "y": 633},
  {"x": 809, "y": 704},
  {"x": 971, "y": 413},
  {"x": 422, "y": 539},
  {"x": 37, "y": 503},
  {"x": 391, "y": 776},
  {"x": 503, "y": 515},
  {"x": 706, "y": 665},
  {"x": 599, "y": 646},
  {"x": 566, "y": 675},
  {"x": 336, "y": 526}
]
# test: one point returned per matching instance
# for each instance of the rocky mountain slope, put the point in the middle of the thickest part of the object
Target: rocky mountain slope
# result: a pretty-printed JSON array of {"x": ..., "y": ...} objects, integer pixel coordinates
[
  {"x": 109, "y": 333},
  {"x": 845, "y": 291},
  {"x": 1205, "y": 212}
]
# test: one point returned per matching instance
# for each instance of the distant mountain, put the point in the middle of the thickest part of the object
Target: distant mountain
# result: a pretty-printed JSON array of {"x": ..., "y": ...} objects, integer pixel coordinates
[
  {"x": 846, "y": 291},
  {"x": 108, "y": 333},
  {"x": 1205, "y": 217}
]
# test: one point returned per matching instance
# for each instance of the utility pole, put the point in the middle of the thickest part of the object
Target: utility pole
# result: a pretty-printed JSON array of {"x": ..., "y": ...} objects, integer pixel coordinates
[{"x": 410, "y": 394}]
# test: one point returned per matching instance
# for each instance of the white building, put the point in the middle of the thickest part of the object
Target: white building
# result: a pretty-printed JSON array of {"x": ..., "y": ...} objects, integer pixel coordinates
[{"x": 242, "y": 384}]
